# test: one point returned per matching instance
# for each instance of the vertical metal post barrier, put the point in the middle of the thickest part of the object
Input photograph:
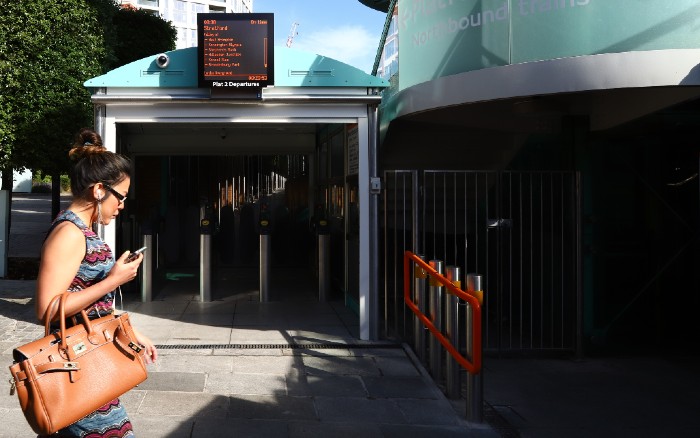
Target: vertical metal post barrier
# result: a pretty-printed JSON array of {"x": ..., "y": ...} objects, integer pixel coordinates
[
  {"x": 452, "y": 368},
  {"x": 205, "y": 261},
  {"x": 264, "y": 268},
  {"x": 475, "y": 389},
  {"x": 435, "y": 292},
  {"x": 324, "y": 267},
  {"x": 264, "y": 228},
  {"x": 419, "y": 280},
  {"x": 147, "y": 269}
]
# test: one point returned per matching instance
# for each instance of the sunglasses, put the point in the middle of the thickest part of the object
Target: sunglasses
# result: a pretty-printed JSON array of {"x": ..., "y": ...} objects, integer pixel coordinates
[{"x": 121, "y": 198}]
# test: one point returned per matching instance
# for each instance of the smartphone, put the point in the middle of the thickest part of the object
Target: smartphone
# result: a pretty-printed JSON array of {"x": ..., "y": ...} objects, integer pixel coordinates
[{"x": 135, "y": 254}]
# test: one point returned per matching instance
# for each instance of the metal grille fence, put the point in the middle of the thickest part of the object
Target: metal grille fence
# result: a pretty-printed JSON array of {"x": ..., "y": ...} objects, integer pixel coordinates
[{"x": 516, "y": 229}]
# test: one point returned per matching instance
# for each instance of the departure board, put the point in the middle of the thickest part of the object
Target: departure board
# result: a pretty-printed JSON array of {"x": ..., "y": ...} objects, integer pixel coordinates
[{"x": 235, "y": 51}]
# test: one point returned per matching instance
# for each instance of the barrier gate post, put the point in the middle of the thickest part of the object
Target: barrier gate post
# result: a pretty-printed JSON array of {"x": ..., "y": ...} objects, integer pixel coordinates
[
  {"x": 475, "y": 390},
  {"x": 264, "y": 228},
  {"x": 147, "y": 270},
  {"x": 205, "y": 260},
  {"x": 323, "y": 238},
  {"x": 435, "y": 308},
  {"x": 452, "y": 368},
  {"x": 264, "y": 268},
  {"x": 324, "y": 267},
  {"x": 419, "y": 277}
]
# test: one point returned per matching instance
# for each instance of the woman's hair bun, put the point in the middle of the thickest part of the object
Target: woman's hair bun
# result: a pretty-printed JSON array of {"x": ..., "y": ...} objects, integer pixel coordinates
[{"x": 87, "y": 142}]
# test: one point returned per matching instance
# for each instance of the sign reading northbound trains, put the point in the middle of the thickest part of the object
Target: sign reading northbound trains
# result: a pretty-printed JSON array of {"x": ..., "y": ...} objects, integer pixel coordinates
[{"x": 235, "y": 50}]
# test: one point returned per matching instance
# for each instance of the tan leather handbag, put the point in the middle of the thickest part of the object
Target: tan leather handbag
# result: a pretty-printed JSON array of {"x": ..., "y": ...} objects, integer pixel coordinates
[{"x": 70, "y": 373}]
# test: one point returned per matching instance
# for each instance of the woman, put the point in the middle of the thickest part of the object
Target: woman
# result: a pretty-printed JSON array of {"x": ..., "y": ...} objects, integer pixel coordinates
[{"x": 75, "y": 259}]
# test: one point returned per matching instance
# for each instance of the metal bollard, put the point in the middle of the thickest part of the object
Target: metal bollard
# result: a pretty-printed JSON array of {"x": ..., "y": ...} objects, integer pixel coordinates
[
  {"x": 452, "y": 368},
  {"x": 147, "y": 269},
  {"x": 324, "y": 267},
  {"x": 264, "y": 268},
  {"x": 205, "y": 267},
  {"x": 419, "y": 280},
  {"x": 435, "y": 308},
  {"x": 475, "y": 389}
]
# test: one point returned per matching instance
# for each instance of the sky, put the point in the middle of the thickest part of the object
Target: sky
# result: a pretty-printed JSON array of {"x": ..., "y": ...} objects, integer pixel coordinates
[{"x": 344, "y": 30}]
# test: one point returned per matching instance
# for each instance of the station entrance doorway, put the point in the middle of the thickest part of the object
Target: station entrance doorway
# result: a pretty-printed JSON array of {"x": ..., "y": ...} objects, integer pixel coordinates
[{"x": 257, "y": 186}]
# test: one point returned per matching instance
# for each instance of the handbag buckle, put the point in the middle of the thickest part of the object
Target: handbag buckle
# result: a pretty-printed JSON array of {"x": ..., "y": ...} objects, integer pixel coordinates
[
  {"x": 135, "y": 347},
  {"x": 70, "y": 366}
]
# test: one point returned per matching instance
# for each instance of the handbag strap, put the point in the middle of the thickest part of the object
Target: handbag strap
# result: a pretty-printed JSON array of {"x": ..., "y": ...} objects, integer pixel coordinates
[
  {"x": 51, "y": 311},
  {"x": 49, "y": 314}
]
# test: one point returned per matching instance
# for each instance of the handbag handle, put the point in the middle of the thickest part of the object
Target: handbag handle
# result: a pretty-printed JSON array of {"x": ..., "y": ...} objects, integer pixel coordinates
[{"x": 51, "y": 311}]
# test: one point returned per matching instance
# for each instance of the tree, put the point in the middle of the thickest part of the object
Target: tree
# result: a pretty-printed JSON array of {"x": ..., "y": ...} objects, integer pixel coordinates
[
  {"x": 48, "y": 48},
  {"x": 141, "y": 34}
]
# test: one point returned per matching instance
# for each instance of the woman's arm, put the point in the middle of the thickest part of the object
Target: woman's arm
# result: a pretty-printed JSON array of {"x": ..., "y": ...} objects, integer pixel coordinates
[{"x": 61, "y": 255}]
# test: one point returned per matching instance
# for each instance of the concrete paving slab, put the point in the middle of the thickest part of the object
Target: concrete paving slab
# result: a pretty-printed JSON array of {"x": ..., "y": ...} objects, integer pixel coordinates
[
  {"x": 427, "y": 412},
  {"x": 359, "y": 410},
  {"x": 163, "y": 426},
  {"x": 414, "y": 431},
  {"x": 343, "y": 366},
  {"x": 187, "y": 363},
  {"x": 279, "y": 365},
  {"x": 299, "y": 429},
  {"x": 236, "y": 427},
  {"x": 184, "y": 404},
  {"x": 14, "y": 425},
  {"x": 246, "y": 384},
  {"x": 268, "y": 407},
  {"x": 173, "y": 381},
  {"x": 329, "y": 386},
  {"x": 400, "y": 387},
  {"x": 396, "y": 366},
  {"x": 261, "y": 335}
]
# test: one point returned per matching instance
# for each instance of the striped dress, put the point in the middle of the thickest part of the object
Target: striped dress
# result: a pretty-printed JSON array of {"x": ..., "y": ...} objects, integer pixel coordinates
[{"x": 111, "y": 419}]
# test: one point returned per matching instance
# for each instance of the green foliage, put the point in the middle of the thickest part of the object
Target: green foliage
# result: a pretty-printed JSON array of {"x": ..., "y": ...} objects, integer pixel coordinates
[
  {"x": 48, "y": 49},
  {"x": 141, "y": 34},
  {"x": 41, "y": 183}
]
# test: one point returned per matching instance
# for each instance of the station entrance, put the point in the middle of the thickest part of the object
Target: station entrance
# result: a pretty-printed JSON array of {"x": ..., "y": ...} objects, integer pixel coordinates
[
  {"x": 280, "y": 194},
  {"x": 293, "y": 161}
]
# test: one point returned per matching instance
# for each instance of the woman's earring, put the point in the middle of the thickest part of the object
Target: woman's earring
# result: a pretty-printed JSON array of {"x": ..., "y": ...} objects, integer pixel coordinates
[{"x": 100, "y": 225}]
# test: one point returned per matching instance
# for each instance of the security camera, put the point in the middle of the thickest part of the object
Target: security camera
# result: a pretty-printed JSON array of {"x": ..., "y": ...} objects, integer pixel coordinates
[{"x": 162, "y": 60}]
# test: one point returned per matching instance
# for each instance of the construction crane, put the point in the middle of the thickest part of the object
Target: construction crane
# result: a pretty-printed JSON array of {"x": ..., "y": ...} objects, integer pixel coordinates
[{"x": 292, "y": 33}]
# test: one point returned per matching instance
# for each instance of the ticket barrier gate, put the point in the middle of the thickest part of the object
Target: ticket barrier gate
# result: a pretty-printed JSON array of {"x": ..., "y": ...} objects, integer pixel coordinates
[
  {"x": 264, "y": 229},
  {"x": 205, "y": 232},
  {"x": 323, "y": 238},
  {"x": 147, "y": 269}
]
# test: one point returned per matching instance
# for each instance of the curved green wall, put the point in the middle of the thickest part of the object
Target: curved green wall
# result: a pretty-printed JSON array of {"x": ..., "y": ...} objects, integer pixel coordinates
[{"x": 444, "y": 37}]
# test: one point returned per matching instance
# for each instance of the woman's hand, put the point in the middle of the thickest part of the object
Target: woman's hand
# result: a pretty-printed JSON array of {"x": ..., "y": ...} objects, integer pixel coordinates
[
  {"x": 150, "y": 352},
  {"x": 123, "y": 271}
]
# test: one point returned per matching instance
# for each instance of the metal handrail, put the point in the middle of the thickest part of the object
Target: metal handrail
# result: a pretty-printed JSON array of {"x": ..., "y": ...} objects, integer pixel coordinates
[{"x": 473, "y": 366}]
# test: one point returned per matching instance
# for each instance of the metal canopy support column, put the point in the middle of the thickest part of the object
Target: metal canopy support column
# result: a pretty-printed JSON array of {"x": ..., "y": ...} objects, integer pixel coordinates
[
  {"x": 108, "y": 132},
  {"x": 368, "y": 317},
  {"x": 374, "y": 192}
]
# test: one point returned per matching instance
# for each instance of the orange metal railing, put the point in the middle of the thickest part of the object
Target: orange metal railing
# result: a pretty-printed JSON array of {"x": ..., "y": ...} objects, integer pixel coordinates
[{"x": 474, "y": 365}]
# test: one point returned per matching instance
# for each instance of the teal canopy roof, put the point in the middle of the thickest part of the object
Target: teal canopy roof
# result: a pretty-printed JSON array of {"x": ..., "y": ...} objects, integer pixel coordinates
[{"x": 293, "y": 68}]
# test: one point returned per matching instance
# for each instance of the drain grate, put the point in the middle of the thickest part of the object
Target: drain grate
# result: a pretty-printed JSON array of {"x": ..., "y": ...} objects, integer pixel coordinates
[{"x": 295, "y": 346}]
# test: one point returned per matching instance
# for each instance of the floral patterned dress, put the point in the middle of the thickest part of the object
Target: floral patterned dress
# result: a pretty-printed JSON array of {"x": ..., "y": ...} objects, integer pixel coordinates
[{"x": 111, "y": 419}]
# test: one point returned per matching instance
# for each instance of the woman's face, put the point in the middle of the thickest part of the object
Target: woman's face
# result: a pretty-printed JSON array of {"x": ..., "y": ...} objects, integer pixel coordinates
[{"x": 114, "y": 199}]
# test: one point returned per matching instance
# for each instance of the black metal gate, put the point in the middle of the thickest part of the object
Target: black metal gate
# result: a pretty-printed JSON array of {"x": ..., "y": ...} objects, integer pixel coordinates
[{"x": 519, "y": 230}]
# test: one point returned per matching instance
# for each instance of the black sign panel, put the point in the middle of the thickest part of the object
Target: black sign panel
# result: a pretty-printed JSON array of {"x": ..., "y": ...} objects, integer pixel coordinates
[{"x": 236, "y": 51}]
